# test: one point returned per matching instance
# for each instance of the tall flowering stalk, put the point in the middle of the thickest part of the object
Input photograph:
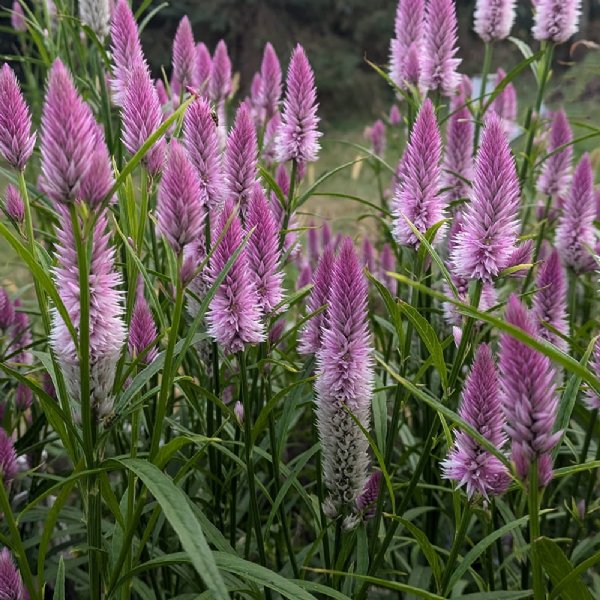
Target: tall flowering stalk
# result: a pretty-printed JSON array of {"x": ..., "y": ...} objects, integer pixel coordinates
[
  {"x": 408, "y": 33},
  {"x": 556, "y": 20},
  {"x": 344, "y": 385},
  {"x": 418, "y": 197},
  {"x": 494, "y": 19}
]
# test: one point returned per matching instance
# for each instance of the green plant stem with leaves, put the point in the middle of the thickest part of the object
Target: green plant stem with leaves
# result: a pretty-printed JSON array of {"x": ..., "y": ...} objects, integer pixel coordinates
[
  {"x": 459, "y": 538},
  {"x": 289, "y": 207}
]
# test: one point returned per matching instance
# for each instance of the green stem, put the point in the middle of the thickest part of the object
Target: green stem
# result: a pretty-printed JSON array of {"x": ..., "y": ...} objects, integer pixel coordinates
[
  {"x": 534, "y": 532},
  {"x": 288, "y": 206},
  {"x": 459, "y": 538},
  {"x": 487, "y": 63},
  {"x": 165, "y": 387},
  {"x": 538, "y": 242},
  {"x": 572, "y": 308}
]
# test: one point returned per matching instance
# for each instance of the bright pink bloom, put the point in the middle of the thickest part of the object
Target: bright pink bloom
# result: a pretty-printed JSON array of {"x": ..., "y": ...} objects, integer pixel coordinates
[
  {"x": 269, "y": 150},
  {"x": 556, "y": 20},
  {"x": 8, "y": 461},
  {"x": 13, "y": 204},
  {"x": 591, "y": 396},
  {"x": 270, "y": 72},
  {"x": 556, "y": 171},
  {"x": 11, "y": 584},
  {"x": 395, "y": 117},
  {"x": 366, "y": 503},
  {"x": 387, "y": 261},
  {"x": 377, "y": 137},
  {"x": 142, "y": 329},
  {"x": 98, "y": 180},
  {"x": 505, "y": 103},
  {"x": 185, "y": 57},
  {"x": 220, "y": 74},
  {"x": 494, "y": 19},
  {"x": 203, "y": 68},
  {"x": 408, "y": 32}
]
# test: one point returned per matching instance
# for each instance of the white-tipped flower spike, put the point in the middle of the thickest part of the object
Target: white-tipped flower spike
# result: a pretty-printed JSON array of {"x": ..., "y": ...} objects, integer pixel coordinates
[{"x": 96, "y": 15}]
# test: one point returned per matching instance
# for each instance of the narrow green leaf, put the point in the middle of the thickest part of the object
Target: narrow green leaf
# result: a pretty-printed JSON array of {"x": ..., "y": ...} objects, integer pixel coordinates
[
  {"x": 59, "y": 586},
  {"x": 581, "y": 568}
]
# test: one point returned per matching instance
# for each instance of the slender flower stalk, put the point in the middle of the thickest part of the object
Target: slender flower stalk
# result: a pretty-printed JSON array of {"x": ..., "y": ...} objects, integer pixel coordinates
[
  {"x": 96, "y": 15},
  {"x": 556, "y": 20},
  {"x": 494, "y": 19},
  {"x": 418, "y": 197},
  {"x": 344, "y": 385},
  {"x": 185, "y": 57},
  {"x": 16, "y": 139},
  {"x": 13, "y": 204}
]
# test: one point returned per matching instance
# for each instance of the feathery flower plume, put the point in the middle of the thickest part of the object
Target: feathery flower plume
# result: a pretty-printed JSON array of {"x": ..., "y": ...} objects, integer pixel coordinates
[
  {"x": 458, "y": 157},
  {"x": 240, "y": 163},
  {"x": 23, "y": 398},
  {"x": 185, "y": 57},
  {"x": 408, "y": 31},
  {"x": 556, "y": 20},
  {"x": 550, "y": 301},
  {"x": 69, "y": 137},
  {"x": 377, "y": 137},
  {"x": 13, "y": 204},
  {"x": 17, "y": 17},
  {"x": 575, "y": 237},
  {"x": 325, "y": 235},
  {"x": 220, "y": 74},
  {"x": 161, "y": 92},
  {"x": 368, "y": 255},
  {"x": 16, "y": 139},
  {"x": 505, "y": 103},
  {"x": 142, "y": 329},
  {"x": 201, "y": 141},
  {"x": 141, "y": 115},
  {"x": 258, "y": 114},
  {"x": 556, "y": 171},
  {"x": 418, "y": 196},
  {"x": 488, "y": 237},
  {"x": 344, "y": 384},
  {"x": 8, "y": 458},
  {"x": 270, "y": 72},
  {"x": 304, "y": 276},
  {"x": 21, "y": 336},
  {"x": 298, "y": 137},
  {"x": 311, "y": 335},
  {"x": 126, "y": 49},
  {"x": 529, "y": 397},
  {"x": 96, "y": 15},
  {"x": 263, "y": 251},
  {"x": 107, "y": 328},
  {"x": 7, "y": 311},
  {"x": 366, "y": 503},
  {"x": 591, "y": 397},
  {"x": 269, "y": 150},
  {"x": 468, "y": 463},
  {"x": 180, "y": 202},
  {"x": 203, "y": 67},
  {"x": 388, "y": 264},
  {"x": 494, "y": 19},
  {"x": 440, "y": 46},
  {"x": 98, "y": 180},
  {"x": 395, "y": 117},
  {"x": 11, "y": 584},
  {"x": 234, "y": 316}
]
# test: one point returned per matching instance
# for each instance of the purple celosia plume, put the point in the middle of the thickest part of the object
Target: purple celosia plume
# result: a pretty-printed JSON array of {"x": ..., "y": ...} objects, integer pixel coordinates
[
  {"x": 256, "y": 109},
  {"x": 240, "y": 163},
  {"x": 556, "y": 171},
  {"x": 387, "y": 260},
  {"x": 203, "y": 67},
  {"x": 17, "y": 17},
  {"x": 201, "y": 141},
  {"x": 141, "y": 116},
  {"x": 505, "y": 103},
  {"x": 408, "y": 32},
  {"x": 366, "y": 503},
  {"x": 269, "y": 149},
  {"x": 377, "y": 137},
  {"x": 16, "y": 139},
  {"x": 325, "y": 235},
  {"x": 418, "y": 196},
  {"x": 298, "y": 137},
  {"x": 69, "y": 137},
  {"x": 311, "y": 335},
  {"x": 13, "y": 204},
  {"x": 142, "y": 328},
  {"x": 368, "y": 255},
  {"x": 556, "y": 20},
  {"x": 126, "y": 49},
  {"x": 220, "y": 74},
  {"x": 494, "y": 19},
  {"x": 458, "y": 156},
  {"x": 270, "y": 71},
  {"x": 161, "y": 92},
  {"x": 344, "y": 385},
  {"x": 550, "y": 301},
  {"x": 304, "y": 276},
  {"x": 234, "y": 316},
  {"x": 185, "y": 57},
  {"x": 7, "y": 310},
  {"x": 180, "y": 201},
  {"x": 8, "y": 458},
  {"x": 575, "y": 237},
  {"x": 529, "y": 397},
  {"x": 23, "y": 397},
  {"x": 263, "y": 251},
  {"x": 96, "y": 15},
  {"x": 591, "y": 396},
  {"x": 468, "y": 462},
  {"x": 11, "y": 583},
  {"x": 106, "y": 325},
  {"x": 489, "y": 234},
  {"x": 395, "y": 117},
  {"x": 439, "y": 65},
  {"x": 97, "y": 181}
]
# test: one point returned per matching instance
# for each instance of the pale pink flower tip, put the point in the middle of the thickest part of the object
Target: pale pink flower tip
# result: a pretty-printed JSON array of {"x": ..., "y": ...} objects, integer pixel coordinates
[
  {"x": 556, "y": 20},
  {"x": 17, "y": 17},
  {"x": 494, "y": 19},
  {"x": 13, "y": 204},
  {"x": 185, "y": 57},
  {"x": 142, "y": 329}
]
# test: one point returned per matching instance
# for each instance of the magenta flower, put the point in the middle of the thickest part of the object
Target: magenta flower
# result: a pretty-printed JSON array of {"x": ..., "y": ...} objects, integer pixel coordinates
[
  {"x": 488, "y": 238},
  {"x": 20, "y": 332},
  {"x": 575, "y": 238},
  {"x": 126, "y": 49},
  {"x": 142, "y": 329},
  {"x": 13, "y": 204},
  {"x": 591, "y": 396},
  {"x": 458, "y": 157},
  {"x": 304, "y": 276},
  {"x": 387, "y": 260},
  {"x": 17, "y": 17},
  {"x": 141, "y": 115},
  {"x": 325, "y": 235},
  {"x": 556, "y": 171},
  {"x": 23, "y": 397},
  {"x": 234, "y": 316},
  {"x": 264, "y": 257},
  {"x": 7, "y": 311},
  {"x": 494, "y": 19},
  {"x": 395, "y": 117},
  {"x": 220, "y": 74},
  {"x": 185, "y": 57},
  {"x": 96, "y": 15},
  {"x": 258, "y": 114},
  {"x": 240, "y": 164},
  {"x": 505, "y": 103},
  {"x": 468, "y": 462},
  {"x": 269, "y": 149},
  {"x": 377, "y": 137},
  {"x": 529, "y": 397},
  {"x": 368, "y": 255},
  {"x": 180, "y": 202},
  {"x": 161, "y": 92},
  {"x": 8, "y": 459},
  {"x": 440, "y": 45},
  {"x": 344, "y": 384},
  {"x": 418, "y": 196},
  {"x": 556, "y": 20},
  {"x": 201, "y": 141},
  {"x": 98, "y": 180},
  {"x": 69, "y": 137},
  {"x": 106, "y": 325},
  {"x": 16, "y": 139},
  {"x": 408, "y": 31},
  {"x": 270, "y": 72},
  {"x": 11, "y": 583},
  {"x": 366, "y": 503},
  {"x": 203, "y": 68},
  {"x": 298, "y": 137},
  {"x": 550, "y": 301},
  {"x": 311, "y": 335}
]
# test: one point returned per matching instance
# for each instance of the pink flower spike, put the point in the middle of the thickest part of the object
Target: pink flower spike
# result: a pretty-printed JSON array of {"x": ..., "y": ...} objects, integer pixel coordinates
[
  {"x": 11, "y": 583},
  {"x": 203, "y": 68},
  {"x": 8, "y": 459},
  {"x": 142, "y": 329},
  {"x": 185, "y": 57},
  {"x": 494, "y": 19},
  {"x": 556, "y": 171},
  {"x": 270, "y": 72},
  {"x": 556, "y": 20},
  {"x": 13, "y": 204},
  {"x": 408, "y": 33},
  {"x": 220, "y": 74},
  {"x": 17, "y": 17}
]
